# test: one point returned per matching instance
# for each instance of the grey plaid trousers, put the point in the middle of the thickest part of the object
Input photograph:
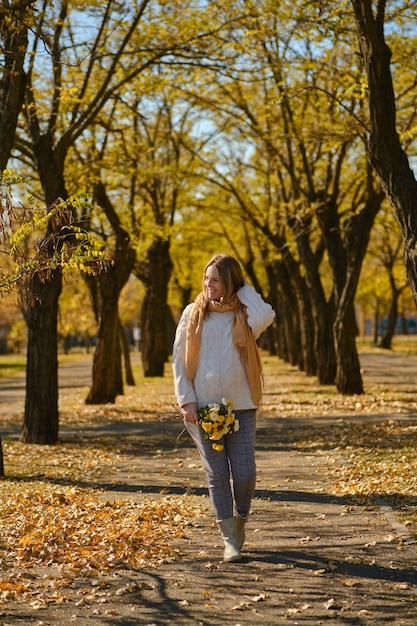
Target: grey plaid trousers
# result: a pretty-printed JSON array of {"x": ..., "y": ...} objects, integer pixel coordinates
[{"x": 231, "y": 472}]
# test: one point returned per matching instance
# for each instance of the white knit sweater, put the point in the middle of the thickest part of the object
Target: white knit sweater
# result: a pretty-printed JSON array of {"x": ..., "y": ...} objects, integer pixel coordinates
[{"x": 220, "y": 372}]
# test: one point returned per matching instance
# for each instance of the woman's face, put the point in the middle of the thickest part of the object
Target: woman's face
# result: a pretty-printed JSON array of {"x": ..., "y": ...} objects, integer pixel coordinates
[{"x": 212, "y": 283}]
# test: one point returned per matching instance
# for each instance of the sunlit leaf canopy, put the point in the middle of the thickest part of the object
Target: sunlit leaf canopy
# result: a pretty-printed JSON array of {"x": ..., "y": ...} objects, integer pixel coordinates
[
  {"x": 277, "y": 54},
  {"x": 262, "y": 97}
]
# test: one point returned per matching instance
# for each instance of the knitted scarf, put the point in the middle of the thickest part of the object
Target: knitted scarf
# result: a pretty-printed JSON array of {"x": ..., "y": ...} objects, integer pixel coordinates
[{"x": 242, "y": 335}]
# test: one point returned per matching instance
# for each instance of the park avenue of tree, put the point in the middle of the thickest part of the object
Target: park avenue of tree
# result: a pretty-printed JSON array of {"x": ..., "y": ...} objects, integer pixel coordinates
[{"x": 138, "y": 138}]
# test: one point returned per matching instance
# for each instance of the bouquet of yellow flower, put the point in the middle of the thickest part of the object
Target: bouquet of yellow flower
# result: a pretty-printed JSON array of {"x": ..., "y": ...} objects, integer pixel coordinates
[{"x": 217, "y": 420}]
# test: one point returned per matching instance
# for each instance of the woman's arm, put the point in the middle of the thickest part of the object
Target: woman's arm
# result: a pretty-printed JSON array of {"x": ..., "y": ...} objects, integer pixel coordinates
[
  {"x": 260, "y": 313},
  {"x": 184, "y": 390}
]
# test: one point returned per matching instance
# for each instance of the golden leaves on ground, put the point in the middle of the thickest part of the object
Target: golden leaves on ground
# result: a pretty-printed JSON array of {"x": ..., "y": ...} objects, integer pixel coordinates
[
  {"x": 371, "y": 459},
  {"x": 316, "y": 401},
  {"x": 73, "y": 532},
  {"x": 66, "y": 462},
  {"x": 139, "y": 403},
  {"x": 57, "y": 523},
  {"x": 290, "y": 392},
  {"x": 379, "y": 461},
  {"x": 72, "y": 528}
]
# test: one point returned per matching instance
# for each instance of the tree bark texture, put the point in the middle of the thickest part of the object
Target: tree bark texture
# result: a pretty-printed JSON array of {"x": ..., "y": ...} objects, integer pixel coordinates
[
  {"x": 13, "y": 35},
  {"x": 348, "y": 373},
  {"x": 40, "y": 423},
  {"x": 287, "y": 320},
  {"x": 107, "y": 382},
  {"x": 346, "y": 247},
  {"x": 384, "y": 147},
  {"x": 322, "y": 312},
  {"x": 105, "y": 288},
  {"x": 129, "y": 378},
  {"x": 155, "y": 274}
]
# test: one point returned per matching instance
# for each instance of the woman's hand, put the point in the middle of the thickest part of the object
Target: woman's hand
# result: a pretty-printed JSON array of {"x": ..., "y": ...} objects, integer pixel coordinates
[{"x": 189, "y": 412}]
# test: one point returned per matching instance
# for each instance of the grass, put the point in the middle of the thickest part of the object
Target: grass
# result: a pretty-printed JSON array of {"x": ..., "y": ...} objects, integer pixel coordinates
[
  {"x": 11, "y": 364},
  {"x": 406, "y": 344}
]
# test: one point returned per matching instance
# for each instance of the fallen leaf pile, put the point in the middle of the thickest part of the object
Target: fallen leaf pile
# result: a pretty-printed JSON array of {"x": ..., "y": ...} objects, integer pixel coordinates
[
  {"x": 49, "y": 523},
  {"x": 73, "y": 532},
  {"x": 72, "y": 528}
]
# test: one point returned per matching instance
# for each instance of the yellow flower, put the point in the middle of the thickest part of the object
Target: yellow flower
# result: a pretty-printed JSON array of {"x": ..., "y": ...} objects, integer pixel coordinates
[
  {"x": 217, "y": 420},
  {"x": 236, "y": 425}
]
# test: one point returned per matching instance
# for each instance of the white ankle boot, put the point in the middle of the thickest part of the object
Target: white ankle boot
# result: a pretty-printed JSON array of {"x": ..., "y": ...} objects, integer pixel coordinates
[
  {"x": 231, "y": 549},
  {"x": 240, "y": 530}
]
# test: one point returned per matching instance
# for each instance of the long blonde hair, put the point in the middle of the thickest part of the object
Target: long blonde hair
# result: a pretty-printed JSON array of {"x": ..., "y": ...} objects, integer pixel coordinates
[{"x": 231, "y": 278}]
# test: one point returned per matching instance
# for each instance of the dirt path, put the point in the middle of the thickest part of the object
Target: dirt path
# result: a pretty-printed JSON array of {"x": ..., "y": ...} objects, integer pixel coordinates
[{"x": 310, "y": 557}]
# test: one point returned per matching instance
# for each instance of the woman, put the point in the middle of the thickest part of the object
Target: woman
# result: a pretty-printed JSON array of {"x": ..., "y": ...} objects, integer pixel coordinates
[{"x": 214, "y": 357}]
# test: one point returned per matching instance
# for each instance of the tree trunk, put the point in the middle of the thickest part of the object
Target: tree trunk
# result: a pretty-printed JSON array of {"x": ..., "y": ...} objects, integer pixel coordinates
[
  {"x": 155, "y": 274},
  {"x": 105, "y": 288},
  {"x": 322, "y": 312},
  {"x": 289, "y": 344},
  {"x": 325, "y": 349},
  {"x": 129, "y": 378},
  {"x": 348, "y": 371},
  {"x": 386, "y": 339},
  {"x": 272, "y": 332},
  {"x": 107, "y": 381},
  {"x": 346, "y": 254},
  {"x": 347, "y": 376},
  {"x": 41, "y": 406},
  {"x": 300, "y": 303},
  {"x": 384, "y": 147},
  {"x": 14, "y": 22},
  {"x": 307, "y": 331},
  {"x": 287, "y": 317}
]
